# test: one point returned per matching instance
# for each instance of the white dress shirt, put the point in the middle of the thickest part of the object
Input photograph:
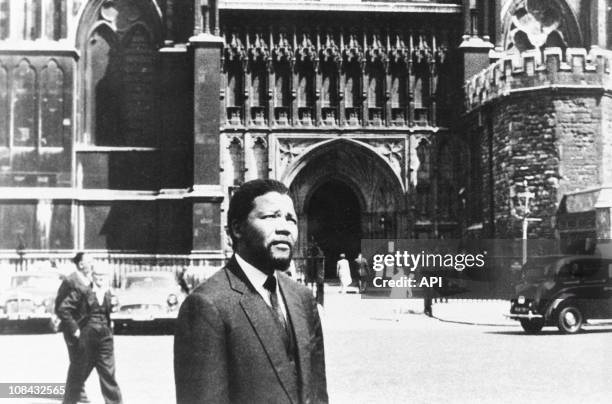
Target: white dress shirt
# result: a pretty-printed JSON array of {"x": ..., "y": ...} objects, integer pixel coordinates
[
  {"x": 257, "y": 279},
  {"x": 100, "y": 292}
]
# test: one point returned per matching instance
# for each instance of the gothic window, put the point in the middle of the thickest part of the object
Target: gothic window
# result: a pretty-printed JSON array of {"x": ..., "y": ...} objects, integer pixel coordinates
[
  {"x": 138, "y": 122},
  {"x": 398, "y": 94},
  {"x": 52, "y": 105},
  {"x": 329, "y": 92},
  {"x": 5, "y": 11},
  {"x": 261, "y": 158},
  {"x": 104, "y": 85},
  {"x": 258, "y": 92},
  {"x": 55, "y": 19},
  {"x": 424, "y": 170},
  {"x": 236, "y": 171},
  {"x": 25, "y": 99},
  {"x": 376, "y": 93},
  {"x": 352, "y": 96},
  {"x": 33, "y": 13},
  {"x": 4, "y": 108},
  {"x": 234, "y": 92},
  {"x": 537, "y": 25},
  {"x": 421, "y": 84},
  {"x": 306, "y": 93},
  {"x": 282, "y": 92}
]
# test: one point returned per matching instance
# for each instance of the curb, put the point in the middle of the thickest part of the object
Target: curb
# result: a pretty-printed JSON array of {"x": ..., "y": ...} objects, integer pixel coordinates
[{"x": 474, "y": 323}]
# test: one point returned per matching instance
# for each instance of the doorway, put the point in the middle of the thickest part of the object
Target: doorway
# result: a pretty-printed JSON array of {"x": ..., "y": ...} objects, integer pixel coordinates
[{"x": 334, "y": 221}]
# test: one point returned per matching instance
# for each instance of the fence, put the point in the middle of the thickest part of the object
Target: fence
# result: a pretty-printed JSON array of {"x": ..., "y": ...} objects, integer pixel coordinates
[{"x": 197, "y": 268}]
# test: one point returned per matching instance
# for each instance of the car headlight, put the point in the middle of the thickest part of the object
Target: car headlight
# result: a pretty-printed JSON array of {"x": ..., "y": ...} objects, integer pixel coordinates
[
  {"x": 172, "y": 300},
  {"x": 521, "y": 300}
]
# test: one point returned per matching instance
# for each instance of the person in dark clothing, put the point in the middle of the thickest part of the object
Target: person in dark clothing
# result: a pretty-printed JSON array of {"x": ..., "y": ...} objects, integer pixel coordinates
[
  {"x": 86, "y": 314},
  {"x": 78, "y": 279},
  {"x": 361, "y": 265}
]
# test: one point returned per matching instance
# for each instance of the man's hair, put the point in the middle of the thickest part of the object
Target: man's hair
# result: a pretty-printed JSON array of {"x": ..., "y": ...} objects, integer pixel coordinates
[
  {"x": 241, "y": 203},
  {"x": 76, "y": 260}
]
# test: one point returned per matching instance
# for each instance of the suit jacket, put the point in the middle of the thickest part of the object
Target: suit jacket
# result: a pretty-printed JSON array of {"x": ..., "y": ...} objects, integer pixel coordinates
[
  {"x": 70, "y": 282},
  {"x": 229, "y": 349},
  {"x": 75, "y": 309}
]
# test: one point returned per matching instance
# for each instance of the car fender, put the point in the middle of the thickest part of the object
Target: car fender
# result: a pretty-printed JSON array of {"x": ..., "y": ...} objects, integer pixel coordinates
[{"x": 557, "y": 302}]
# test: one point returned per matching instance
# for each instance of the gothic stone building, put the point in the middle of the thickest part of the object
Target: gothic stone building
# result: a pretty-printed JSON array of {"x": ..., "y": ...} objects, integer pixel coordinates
[{"x": 125, "y": 125}]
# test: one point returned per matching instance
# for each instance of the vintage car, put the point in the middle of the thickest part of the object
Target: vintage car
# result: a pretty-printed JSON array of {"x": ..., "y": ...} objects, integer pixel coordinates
[
  {"x": 147, "y": 300},
  {"x": 29, "y": 301},
  {"x": 565, "y": 291}
]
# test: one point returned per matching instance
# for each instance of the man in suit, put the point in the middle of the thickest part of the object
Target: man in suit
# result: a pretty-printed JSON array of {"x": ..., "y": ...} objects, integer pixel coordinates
[
  {"x": 86, "y": 315},
  {"x": 78, "y": 279},
  {"x": 250, "y": 334}
]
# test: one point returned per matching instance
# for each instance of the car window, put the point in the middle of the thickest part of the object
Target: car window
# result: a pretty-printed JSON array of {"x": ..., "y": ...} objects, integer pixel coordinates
[
  {"x": 35, "y": 282},
  {"x": 610, "y": 271},
  {"x": 149, "y": 282},
  {"x": 587, "y": 269}
]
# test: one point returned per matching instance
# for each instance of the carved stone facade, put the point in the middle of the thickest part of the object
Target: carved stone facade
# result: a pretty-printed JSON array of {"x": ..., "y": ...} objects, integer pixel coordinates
[{"x": 126, "y": 125}]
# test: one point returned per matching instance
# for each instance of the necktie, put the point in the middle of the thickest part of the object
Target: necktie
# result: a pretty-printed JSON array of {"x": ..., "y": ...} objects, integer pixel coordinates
[{"x": 270, "y": 286}]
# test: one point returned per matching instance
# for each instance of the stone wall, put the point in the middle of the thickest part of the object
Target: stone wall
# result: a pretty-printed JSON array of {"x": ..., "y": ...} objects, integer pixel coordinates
[{"x": 542, "y": 120}]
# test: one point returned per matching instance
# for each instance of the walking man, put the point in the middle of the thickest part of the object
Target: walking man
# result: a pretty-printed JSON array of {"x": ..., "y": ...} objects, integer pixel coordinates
[
  {"x": 78, "y": 279},
  {"x": 249, "y": 334},
  {"x": 86, "y": 313}
]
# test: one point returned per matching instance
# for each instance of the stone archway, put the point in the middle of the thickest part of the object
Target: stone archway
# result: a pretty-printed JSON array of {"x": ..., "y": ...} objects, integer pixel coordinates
[{"x": 363, "y": 192}]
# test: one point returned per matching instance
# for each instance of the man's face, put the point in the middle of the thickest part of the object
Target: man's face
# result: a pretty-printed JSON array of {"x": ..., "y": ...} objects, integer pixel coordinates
[
  {"x": 86, "y": 265},
  {"x": 99, "y": 279},
  {"x": 267, "y": 236}
]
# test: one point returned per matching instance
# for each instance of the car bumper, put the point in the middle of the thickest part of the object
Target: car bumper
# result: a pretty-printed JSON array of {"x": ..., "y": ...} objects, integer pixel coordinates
[
  {"x": 517, "y": 316},
  {"x": 18, "y": 320}
]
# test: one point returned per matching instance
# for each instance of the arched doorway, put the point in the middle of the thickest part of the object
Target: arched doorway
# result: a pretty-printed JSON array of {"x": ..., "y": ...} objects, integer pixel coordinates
[
  {"x": 334, "y": 221},
  {"x": 345, "y": 191}
]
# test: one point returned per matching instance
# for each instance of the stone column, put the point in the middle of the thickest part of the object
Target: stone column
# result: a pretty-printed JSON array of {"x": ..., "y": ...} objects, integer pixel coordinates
[{"x": 206, "y": 194}]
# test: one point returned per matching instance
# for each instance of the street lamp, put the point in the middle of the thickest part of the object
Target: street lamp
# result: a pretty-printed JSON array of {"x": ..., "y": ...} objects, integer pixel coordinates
[{"x": 524, "y": 202}]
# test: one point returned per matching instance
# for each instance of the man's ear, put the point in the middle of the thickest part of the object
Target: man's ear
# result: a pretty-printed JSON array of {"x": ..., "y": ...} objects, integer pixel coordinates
[{"x": 236, "y": 229}]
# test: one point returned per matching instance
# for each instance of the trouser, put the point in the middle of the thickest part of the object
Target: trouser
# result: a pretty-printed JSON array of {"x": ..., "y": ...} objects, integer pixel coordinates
[
  {"x": 320, "y": 295},
  {"x": 95, "y": 349},
  {"x": 72, "y": 344}
]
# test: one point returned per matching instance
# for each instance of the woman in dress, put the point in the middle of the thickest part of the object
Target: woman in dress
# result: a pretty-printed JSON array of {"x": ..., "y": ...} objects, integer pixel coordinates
[{"x": 343, "y": 270}]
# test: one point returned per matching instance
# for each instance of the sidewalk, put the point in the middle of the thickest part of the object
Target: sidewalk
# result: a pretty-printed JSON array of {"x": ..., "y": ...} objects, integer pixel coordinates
[
  {"x": 462, "y": 311},
  {"x": 477, "y": 312}
]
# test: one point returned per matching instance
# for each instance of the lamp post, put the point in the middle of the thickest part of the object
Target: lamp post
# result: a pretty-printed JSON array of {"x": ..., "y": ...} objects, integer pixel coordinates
[{"x": 524, "y": 202}]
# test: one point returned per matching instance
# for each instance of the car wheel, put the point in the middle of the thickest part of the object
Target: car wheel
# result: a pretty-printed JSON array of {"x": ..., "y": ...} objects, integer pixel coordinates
[
  {"x": 532, "y": 326},
  {"x": 570, "y": 319}
]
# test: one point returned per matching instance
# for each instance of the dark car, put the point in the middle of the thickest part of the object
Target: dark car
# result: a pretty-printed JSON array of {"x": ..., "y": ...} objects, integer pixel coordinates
[{"x": 564, "y": 292}]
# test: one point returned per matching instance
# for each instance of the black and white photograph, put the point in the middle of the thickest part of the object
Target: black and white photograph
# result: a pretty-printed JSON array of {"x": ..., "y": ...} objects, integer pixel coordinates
[{"x": 305, "y": 201}]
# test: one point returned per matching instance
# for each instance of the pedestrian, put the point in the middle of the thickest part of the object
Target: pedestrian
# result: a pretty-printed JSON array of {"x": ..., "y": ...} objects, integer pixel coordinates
[
  {"x": 86, "y": 313},
  {"x": 79, "y": 279},
  {"x": 343, "y": 270},
  {"x": 319, "y": 261},
  {"x": 399, "y": 292},
  {"x": 249, "y": 333},
  {"x": 314, "y": 255},
  {"x": 363, "y": 270}
]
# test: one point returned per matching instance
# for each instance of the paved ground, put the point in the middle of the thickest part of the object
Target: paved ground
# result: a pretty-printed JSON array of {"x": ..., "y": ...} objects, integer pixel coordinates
[{"x": 373, "y": 358}]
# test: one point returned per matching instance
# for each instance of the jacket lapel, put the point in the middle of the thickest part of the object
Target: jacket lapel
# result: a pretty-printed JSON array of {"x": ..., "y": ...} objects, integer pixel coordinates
[{"x": 261, "y": 319}]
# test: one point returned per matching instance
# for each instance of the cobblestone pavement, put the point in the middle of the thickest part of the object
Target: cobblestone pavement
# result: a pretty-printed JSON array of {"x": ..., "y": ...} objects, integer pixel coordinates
[{"x": 373, "y": 358}]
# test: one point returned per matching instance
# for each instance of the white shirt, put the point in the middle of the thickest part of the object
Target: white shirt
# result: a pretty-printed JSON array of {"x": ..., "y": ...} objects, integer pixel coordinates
[
  {"x": 257, "y": 279},
  {"x": 100, "y": 292}
]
